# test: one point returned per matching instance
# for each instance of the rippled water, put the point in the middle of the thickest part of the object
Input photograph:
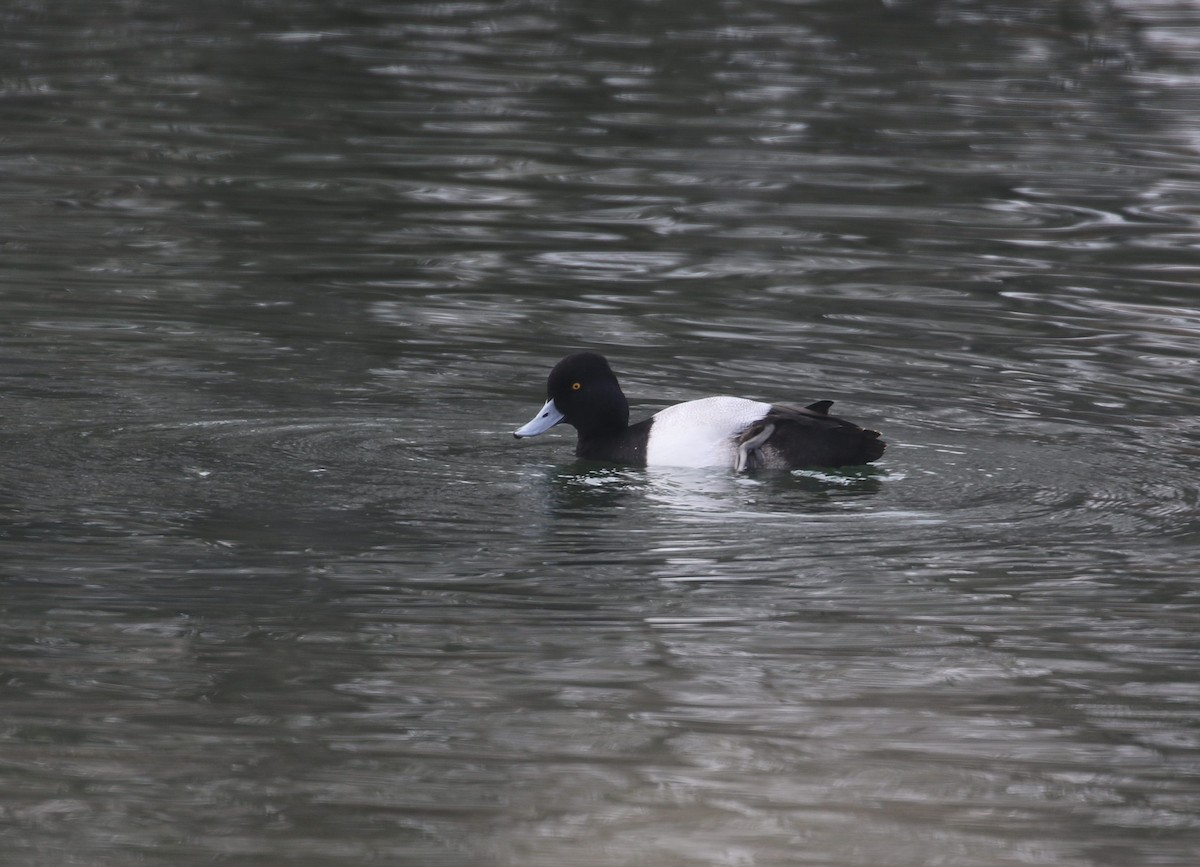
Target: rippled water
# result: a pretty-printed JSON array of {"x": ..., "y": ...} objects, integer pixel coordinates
[{"x": 279, "y": 280}]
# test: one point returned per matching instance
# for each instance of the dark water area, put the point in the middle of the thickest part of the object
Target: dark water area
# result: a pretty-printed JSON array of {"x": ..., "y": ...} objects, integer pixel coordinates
[{"x": 278, "y": 280}]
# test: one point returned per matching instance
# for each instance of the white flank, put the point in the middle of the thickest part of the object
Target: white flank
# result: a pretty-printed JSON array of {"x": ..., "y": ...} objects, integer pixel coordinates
[{"x": 700, "y": 433}]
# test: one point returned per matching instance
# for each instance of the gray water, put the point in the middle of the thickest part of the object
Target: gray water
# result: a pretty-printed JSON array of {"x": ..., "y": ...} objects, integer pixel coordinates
[{"x": 277, "y": 281}]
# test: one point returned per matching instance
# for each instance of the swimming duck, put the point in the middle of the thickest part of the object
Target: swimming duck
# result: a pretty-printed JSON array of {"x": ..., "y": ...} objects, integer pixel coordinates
[{"x": 722, "y": 431}]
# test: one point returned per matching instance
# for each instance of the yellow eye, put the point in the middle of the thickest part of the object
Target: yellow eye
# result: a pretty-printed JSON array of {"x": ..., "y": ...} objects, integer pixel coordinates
[{"x": 575, "y": 386}]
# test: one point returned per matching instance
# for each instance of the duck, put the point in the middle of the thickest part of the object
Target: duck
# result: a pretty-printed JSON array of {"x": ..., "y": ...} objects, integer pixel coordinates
[{"x": 733, "y": 432}]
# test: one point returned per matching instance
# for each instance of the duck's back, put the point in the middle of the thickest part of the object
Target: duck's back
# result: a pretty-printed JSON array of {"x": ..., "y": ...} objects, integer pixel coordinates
[{"x": 792, "y": 436}]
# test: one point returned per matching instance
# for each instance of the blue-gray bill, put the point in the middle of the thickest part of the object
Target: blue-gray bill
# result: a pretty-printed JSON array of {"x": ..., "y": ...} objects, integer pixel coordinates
[{"x": 548, "y": 416}]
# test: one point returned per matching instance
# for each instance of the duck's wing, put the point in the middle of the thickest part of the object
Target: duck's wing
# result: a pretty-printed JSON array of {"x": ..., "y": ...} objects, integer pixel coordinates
[{"x": 794, "y": 436}]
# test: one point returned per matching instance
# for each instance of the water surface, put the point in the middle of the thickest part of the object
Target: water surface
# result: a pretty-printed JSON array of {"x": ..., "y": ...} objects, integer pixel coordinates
[{"x": 279, "y": 280}]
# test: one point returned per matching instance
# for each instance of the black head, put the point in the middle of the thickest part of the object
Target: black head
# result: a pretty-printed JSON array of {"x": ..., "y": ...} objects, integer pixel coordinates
[{"x": 587, "y": 393}]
